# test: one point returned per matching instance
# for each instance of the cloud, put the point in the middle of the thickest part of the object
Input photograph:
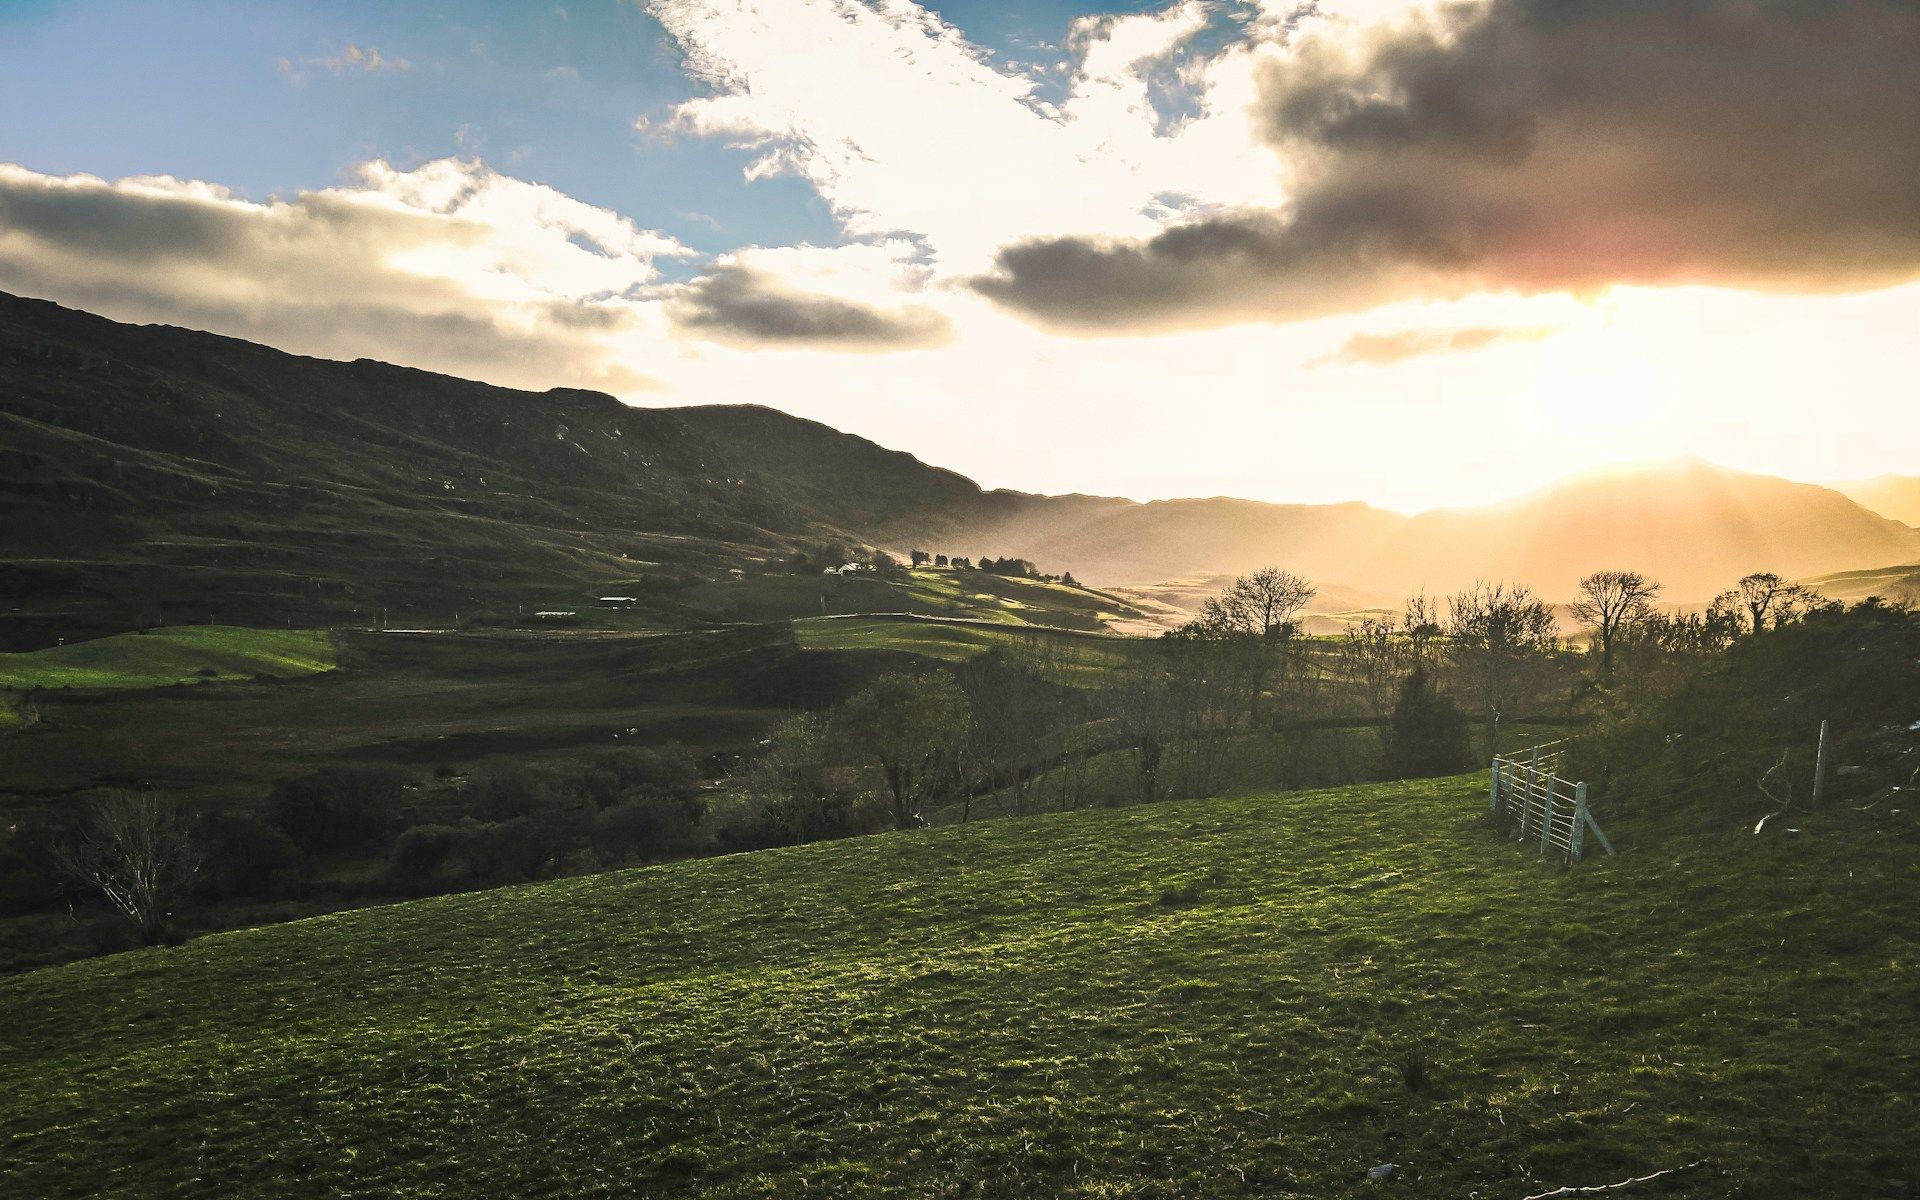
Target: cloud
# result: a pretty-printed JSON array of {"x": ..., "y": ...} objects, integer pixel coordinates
[
  {"x": 742, "y": 305},
  {"x": 908, "y": 129},
  {"x": 1397, "y": 346},
  {"x": 352, "y": 60},
  {"x": 450, "y": 266},
  {"x": 862, "y": 297},
  {"x": 1533, "y": 146}
]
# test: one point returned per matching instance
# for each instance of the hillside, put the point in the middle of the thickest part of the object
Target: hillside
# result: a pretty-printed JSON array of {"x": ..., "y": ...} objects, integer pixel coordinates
[
  {"x": 1213, "y": 998},
  {"x": 1899, "y": 584},
  {"x": 150, "y": 473},
  {"x": 1894, "y": 496}
]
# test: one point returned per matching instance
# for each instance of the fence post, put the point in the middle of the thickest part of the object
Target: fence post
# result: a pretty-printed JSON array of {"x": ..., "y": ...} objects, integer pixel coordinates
[
  {"x": 1546, "y": 815},
  {"x": 1579, "y": 822},
  {"x": 1819, "y": 768},
  {"x": 1533, "y": 787},
  {"x": 1493, "y": 792}
]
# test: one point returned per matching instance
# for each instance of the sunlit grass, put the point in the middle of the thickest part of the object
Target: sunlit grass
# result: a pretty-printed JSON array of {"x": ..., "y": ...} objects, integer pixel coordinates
[
  {"x": 183, "y": 654},
  {"x": 1213, "y": 998}
]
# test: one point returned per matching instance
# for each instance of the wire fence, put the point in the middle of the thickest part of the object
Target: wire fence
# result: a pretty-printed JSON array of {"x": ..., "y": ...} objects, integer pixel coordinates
[{"x": 1541, "y": 805}]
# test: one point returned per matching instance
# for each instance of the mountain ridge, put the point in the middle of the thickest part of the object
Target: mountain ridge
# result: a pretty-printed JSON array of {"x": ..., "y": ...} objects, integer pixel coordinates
[{"x": 154, "y": 473}]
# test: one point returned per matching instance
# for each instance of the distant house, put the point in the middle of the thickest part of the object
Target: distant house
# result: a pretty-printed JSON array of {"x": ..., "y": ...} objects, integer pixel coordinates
[
  {"x": 618, "y": 601},
  {"x": 555, "y": 615}
]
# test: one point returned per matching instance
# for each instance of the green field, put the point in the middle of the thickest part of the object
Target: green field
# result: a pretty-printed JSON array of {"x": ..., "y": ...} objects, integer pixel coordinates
[
  {"x": 159, "y": 657},
  {"x": 1212, "y": 998},
  {"x": 924, "y": 591},
  {"x": 1081, "y": 658}
]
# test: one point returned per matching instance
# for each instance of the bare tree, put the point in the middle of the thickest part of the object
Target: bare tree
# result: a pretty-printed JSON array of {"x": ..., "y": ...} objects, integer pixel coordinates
[
  {"x": 1420, "y": 622},
  {"x": 915, "y": 728},
  {"x": 137, "y": 851},
  {"x": 1496, "y": 633},
  {"x": 1375, "y": 658},
  {"x": 1205, "y": 669},
  {"x": 1613, "y": 601},
  {"x": 1263, "y": 608},
  {"x": 1763, "y": 595},
  {"x": 1377, "y": 654},
  {"x": 1015, "y": 714},
  {"x": 1137, "y": 699},
  {"x": 1266, "y": 602}
]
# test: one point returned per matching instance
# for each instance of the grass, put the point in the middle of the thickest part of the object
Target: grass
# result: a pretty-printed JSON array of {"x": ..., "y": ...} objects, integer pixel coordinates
[
  {"x": 1082, "y": 659},
  {"x": 1218, "y": 998},
  {"x": 421, "y": 701},
  {"x": 923, "y": 591},
  {"x": 160, "y": 657}
]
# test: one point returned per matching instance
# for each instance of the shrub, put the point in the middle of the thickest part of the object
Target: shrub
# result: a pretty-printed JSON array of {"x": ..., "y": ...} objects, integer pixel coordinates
[
  {"x": 646, "y": 825},
  {"x": 28, "y": 881},
  {"x": 338, "y": 808},
  {"x": 246, "y": 856},
  {"x": 420, "y": 854},
  {"x": 1427, "y": 735}
]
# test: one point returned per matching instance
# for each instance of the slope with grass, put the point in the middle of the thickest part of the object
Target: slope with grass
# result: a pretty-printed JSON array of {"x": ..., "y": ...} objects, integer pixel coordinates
[
  {"x": 1220, "y": 998},
  {"x": 922, "y": 591},
  {"x": 422, "y": 701},
  {"x": 159, "y": 657}
]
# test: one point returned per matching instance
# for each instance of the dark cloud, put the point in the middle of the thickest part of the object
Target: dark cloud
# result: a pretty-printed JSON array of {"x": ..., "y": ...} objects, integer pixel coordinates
[
  {"x": 736, "y": 303},
  {"x": 1543, "y": 145}
]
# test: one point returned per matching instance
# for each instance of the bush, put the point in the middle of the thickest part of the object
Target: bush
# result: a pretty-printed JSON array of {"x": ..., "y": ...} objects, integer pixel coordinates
[
  {"x": 792, "y": 793},
  {"x": 338, "y": 808},
  {"x": 420, "y": 854},
  {"x": 245, "y": 856},
  {"x": 28, "y": 881},
  {"x": 646, "y": 825},
  {"x": 1427, "y": 735},
  {"x": 530, "y": 847}
]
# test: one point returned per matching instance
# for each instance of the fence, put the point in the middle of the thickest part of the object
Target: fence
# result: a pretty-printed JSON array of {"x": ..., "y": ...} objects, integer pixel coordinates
[{"x": 1527, "y": 787}]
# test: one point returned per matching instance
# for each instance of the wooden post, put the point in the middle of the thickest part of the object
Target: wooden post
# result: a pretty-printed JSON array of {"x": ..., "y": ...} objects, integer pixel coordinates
[
  {"x": 1546, "y": 815},
  {"x": 1579, "y": 821},
  {"x": 1493, "y": 792},
  {"x": 1820, "y": 767}
]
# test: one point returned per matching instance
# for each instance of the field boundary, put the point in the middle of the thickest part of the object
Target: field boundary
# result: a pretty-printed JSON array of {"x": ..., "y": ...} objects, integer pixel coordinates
[{"x": 1528, "y": 789}]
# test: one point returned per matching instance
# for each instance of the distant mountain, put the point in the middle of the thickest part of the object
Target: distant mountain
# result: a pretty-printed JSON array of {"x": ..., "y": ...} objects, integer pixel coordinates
[
  {"x": 1694, "y": 526},
  {"x": 1900, "y": 585},
  {"x": 156, "y": 473},
  {"x": 1894, "y": 496}
]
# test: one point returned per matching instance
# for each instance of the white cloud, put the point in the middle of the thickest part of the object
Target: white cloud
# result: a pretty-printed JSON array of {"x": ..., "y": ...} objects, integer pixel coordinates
[
  {"x": 450, "y": 266},
  {"x": 906, "y": 128}
]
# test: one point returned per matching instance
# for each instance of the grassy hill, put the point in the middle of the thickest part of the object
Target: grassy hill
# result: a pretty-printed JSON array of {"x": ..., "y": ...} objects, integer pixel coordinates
[
  {"x": 148, "y": 471},
  {"x": 1221, "y": 998},
  {"x": 183, "y": 654}
]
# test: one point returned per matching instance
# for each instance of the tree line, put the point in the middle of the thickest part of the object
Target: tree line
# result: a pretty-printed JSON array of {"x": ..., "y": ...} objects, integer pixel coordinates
[{"x": 1041, "y": 723}]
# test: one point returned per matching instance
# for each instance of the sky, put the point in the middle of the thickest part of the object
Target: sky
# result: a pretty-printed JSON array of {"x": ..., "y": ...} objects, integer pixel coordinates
[{"x": 1403, "y": 251}]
